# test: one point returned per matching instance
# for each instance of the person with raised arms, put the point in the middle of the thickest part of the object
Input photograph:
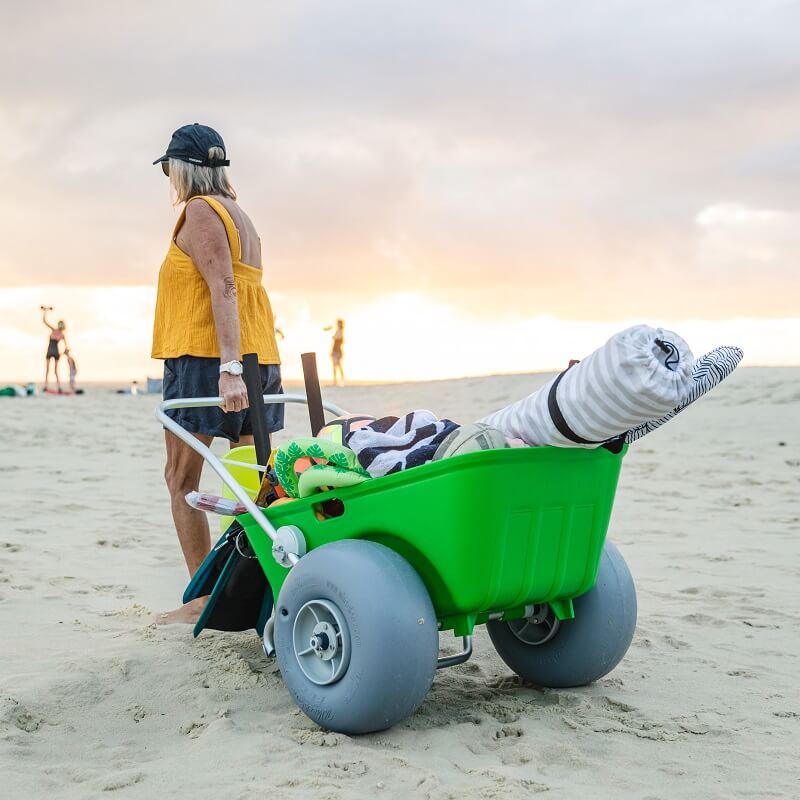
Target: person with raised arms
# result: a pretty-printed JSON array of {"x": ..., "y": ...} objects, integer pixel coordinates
[{"x": 57, "y": 336}]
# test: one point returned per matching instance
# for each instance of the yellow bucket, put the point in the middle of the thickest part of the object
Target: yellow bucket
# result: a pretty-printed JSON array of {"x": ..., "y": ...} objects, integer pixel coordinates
[{"x": 248, "y": 479}]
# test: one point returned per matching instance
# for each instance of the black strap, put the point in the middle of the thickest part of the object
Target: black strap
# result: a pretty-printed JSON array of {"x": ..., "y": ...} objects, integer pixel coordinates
[
  {"x": 614, "y": 445},
  {"x": 255, "y": 398},
  {"x": 673, "y": 354},
  {"x": 316, "y": 414}
]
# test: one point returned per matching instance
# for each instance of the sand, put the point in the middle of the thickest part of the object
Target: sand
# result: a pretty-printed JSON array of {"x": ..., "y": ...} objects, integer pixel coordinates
[{"x": 96, "y": 701}]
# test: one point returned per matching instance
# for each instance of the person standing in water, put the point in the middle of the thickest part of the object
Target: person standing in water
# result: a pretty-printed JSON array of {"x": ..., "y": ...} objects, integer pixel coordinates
[
  {"x": 211, "y": 308},
  {"x": 337, "y": 352},
  {"x": 53, "y": 353}
]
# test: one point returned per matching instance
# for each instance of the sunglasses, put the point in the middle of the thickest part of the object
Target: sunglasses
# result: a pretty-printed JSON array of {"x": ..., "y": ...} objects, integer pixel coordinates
[{"x": 165, "y": 168}]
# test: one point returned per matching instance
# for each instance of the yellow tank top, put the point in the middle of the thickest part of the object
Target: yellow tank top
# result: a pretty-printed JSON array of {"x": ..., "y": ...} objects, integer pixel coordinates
[{"x": 184, "y": 323}]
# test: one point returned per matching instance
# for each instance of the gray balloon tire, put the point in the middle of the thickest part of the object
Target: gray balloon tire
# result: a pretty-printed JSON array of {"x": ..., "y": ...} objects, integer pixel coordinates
[
  {"x": 587, "y": 647},
  {"x": 393, "y": 631}
]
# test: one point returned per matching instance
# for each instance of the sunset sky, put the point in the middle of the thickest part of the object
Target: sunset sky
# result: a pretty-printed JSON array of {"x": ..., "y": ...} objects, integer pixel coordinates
[{"x": 475, "y": 187}]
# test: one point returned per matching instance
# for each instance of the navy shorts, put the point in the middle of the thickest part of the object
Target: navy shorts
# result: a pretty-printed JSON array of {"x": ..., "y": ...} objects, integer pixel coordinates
[{"x": 191, "y": 376}]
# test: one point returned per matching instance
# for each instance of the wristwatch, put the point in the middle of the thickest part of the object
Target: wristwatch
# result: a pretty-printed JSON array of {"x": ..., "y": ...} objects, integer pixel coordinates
[{"x": 231, "y": 367}]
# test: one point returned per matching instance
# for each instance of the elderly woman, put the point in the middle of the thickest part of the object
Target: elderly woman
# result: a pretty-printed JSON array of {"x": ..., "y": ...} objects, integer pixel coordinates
[{"x": 211, "y": 308}]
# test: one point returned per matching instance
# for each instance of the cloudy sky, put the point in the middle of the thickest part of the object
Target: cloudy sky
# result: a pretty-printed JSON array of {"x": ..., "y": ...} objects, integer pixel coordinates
[{"x": 476, "y": 186}]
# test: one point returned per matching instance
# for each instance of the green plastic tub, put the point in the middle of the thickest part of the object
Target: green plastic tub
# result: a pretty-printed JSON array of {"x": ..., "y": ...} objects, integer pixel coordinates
[{"x": 489, "y": 533}]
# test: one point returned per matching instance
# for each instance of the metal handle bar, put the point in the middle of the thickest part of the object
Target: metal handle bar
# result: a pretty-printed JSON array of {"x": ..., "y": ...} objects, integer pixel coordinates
[
  {"x": 213, "y": 461},
  {"x": 459, "y": 658}
]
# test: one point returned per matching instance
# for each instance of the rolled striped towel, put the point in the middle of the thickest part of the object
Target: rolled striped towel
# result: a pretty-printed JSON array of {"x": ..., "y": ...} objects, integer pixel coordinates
[
  {"x": 708, "y": 371},
  {"x": 640, "y": 374}
]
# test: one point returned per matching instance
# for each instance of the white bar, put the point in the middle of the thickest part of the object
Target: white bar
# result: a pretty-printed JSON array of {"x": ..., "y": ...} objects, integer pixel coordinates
[
  {"x": 245, "y": 465},
  {"x": 215, "y": 463},
  {"x": 208, "y": 402}
]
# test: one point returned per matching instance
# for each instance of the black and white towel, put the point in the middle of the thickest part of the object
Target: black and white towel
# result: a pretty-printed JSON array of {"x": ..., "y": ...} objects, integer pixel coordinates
[
  {"x": 708, "y": 371},
  {"x": 391, "y": 444},
  {"x": 640, "y": 374}
]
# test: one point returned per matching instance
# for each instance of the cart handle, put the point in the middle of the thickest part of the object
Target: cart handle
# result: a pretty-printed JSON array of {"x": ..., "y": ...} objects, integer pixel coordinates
[{"x": 214, "y": 462}]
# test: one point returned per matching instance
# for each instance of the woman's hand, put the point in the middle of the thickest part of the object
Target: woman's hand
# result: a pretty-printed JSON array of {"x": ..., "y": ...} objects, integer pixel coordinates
[{"x": 233, "y": 392}]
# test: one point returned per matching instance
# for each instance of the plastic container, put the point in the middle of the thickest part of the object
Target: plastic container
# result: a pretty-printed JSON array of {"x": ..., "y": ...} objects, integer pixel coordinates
[{"x": 487, "y": 532}]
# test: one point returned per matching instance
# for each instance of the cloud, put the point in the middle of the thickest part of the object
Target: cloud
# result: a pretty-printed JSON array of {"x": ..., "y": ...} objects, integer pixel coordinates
[
  {"x": 528, "y": 157},
  {"x": 737, "y": 239}
]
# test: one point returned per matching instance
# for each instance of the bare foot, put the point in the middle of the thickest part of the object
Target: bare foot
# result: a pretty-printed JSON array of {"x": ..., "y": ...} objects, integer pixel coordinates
[{"x": 187, "y": 614}]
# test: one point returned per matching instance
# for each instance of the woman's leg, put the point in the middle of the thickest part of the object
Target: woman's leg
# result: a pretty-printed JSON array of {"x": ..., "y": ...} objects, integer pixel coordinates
[
  {"x": 46, "y": 371},
  {"x": 182, "y": 475}
]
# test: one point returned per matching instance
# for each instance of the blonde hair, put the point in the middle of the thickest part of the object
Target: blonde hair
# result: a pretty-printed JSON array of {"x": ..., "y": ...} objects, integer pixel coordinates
[{"x": 189, "y": 180}]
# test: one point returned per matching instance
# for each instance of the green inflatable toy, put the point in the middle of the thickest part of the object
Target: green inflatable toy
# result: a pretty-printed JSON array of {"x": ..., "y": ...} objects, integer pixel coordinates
[{"x": 337, "y": 467}]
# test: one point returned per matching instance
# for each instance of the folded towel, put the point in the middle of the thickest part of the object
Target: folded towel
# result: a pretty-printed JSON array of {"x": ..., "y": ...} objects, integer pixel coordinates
[
  {"x": 391, "y": 444},
  {"x": 708, "y": 371},
  {"x": 640, "y": 374}
]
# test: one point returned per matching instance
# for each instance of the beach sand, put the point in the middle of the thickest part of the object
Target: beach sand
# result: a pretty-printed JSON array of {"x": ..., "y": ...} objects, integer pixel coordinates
[{"x": 97, "y": 701}]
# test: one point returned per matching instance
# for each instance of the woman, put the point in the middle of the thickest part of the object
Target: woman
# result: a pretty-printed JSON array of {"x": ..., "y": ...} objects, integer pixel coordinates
[
  {"x": 210, "y": 309},
  {"x": 337, "y": 353},
  {"x": 56, "y": 336}
]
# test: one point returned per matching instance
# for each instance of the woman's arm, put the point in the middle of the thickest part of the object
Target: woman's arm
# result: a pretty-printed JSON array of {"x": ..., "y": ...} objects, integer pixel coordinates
[
  {"x": 44, "y": 319},
  {"x": 207, "y": 244}
]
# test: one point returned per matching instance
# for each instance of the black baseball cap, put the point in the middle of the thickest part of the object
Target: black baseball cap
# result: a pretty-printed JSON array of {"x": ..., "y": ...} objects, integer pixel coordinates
[{"x": 191, "y": 143}]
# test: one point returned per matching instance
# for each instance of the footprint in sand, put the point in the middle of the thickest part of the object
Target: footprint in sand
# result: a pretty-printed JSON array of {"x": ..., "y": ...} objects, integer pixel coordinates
[
  {"x": 348, "y": 769},
  {"x": 118, "y": 781},
  {"x": 676, "y": 644},
  {"x": 501, "y": 713},
  {"x": 703, "y": 619},
  {"x": 319, "y": 738},
  {"x": 192, "y": 729},
  {"x": 137, "y": 713},
  {"x": 508, "y": 732},
  {"x": 12, "y": 712},
  {"x": 741, "y": 673}
]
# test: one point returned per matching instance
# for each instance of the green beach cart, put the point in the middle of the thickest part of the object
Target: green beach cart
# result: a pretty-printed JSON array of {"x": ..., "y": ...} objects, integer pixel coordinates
[{"x": 513, "y": 539}]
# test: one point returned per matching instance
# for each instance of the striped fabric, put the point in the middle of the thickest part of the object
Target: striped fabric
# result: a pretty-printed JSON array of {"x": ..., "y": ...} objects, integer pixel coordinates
[
  {"x": 708, "y": 371},
  {"x": 391, "y": 444},
  {"x": 640, "y": 374}
]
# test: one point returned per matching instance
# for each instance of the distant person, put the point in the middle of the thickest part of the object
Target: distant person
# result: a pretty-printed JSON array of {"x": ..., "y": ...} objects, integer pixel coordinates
[
  {"x": 73, "y": 369},
  {"x": 210, "y": 309},
  {"x": 53, "y": 352},
  {"x": 337, "y": 352}
]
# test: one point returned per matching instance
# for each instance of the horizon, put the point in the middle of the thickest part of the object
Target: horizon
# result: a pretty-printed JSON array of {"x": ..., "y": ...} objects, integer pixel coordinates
[{"x": 325, "y": 384}]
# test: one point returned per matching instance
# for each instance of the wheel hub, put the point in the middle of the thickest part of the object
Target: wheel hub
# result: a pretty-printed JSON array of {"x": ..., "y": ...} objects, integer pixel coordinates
[
  {"x": 540, "y": 626},
  {"x": 325, "y": 641},
  {"x": 321, "y": 642}
]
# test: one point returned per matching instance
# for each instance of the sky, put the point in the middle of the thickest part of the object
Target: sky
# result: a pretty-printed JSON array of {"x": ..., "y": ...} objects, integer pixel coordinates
[{"x": 475, "y": 187}]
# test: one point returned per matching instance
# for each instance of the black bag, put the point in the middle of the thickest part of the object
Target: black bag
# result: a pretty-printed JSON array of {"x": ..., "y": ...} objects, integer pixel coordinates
[{"x": 239, "y": 595}]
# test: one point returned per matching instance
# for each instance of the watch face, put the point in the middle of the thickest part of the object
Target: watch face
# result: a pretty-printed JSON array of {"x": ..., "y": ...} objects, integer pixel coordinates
[{"x": 232, "y": 368}]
